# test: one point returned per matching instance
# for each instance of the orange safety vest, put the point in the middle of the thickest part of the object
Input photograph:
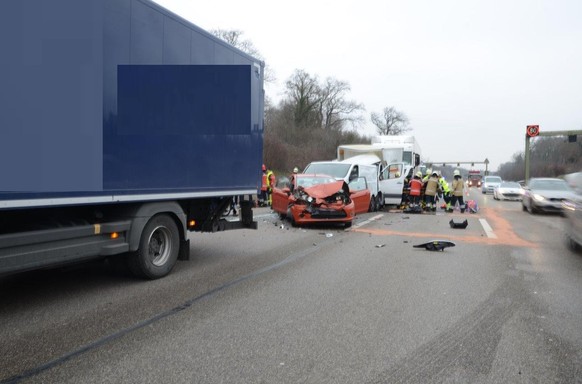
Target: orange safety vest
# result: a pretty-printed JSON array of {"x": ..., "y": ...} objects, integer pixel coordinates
[
  {"x": 265, "y": 182},
  {"x": 415, "y": 187}
]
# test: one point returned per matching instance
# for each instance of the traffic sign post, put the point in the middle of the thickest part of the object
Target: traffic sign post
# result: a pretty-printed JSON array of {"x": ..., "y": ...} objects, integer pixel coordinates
[{"x": 532, "y": 130}]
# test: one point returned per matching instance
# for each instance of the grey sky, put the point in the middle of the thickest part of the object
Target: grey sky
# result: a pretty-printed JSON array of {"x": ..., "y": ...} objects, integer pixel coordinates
[{"x": 470, "y": 75}]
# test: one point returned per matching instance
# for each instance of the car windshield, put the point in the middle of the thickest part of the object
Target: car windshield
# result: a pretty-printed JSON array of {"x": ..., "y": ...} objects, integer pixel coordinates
[
  {"x": 337, "y": 170},
  {"x": 310, "y": 181},
  {"x": 549, "y": 185},
  {"x": 493, "y": 179},
  {"x": 511, "y": 184}
]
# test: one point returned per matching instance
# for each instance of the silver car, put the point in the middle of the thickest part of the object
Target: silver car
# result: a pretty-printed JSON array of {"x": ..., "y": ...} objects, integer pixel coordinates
[
  {"x": 490, "y": 183},
  {"x": 572, "y": 209},
  {"x": 545, "y": 195},
  {"x": 508, "y": 190}
]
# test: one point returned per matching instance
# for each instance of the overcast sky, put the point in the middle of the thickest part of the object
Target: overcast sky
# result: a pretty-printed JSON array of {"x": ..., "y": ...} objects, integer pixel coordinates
[{"x": 470, "y": 75}]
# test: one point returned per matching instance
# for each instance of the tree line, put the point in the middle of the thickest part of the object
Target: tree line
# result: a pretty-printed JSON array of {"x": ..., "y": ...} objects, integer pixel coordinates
[
  {"x": 315, "y": 116},
  {"x": 549, "y": 157}
]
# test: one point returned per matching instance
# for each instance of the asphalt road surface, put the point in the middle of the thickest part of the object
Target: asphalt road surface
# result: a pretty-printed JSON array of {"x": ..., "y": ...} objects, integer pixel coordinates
[{"x": 315, "y": 305}]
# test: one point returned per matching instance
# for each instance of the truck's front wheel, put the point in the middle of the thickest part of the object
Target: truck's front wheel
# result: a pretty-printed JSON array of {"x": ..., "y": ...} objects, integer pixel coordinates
[{"x": 158, "y": 248}]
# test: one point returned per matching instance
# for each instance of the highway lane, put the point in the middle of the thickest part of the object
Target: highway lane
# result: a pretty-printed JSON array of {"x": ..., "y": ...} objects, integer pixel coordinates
[{"x": 315, "y": 305}]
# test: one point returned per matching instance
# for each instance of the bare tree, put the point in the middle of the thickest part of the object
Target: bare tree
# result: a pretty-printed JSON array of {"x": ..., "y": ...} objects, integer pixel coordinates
[
  {"x": 304, "y": 92},
  {"x": 234, "y": 38},
  {"x": 334, "y": 109},
  {"x": 391, "y": 122}
]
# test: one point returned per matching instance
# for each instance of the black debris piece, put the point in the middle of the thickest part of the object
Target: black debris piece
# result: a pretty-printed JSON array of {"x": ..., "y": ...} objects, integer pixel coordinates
[
  {"x": 462, "y": 225},
  {"x": 435, "y": 245}
]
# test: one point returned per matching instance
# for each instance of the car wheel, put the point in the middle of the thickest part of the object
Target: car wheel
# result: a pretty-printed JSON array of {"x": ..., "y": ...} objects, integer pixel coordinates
[
  {"x": 291, "y": 218},
  {"x": 572, "y": 245},
  {"x": 531, "y": 209}
]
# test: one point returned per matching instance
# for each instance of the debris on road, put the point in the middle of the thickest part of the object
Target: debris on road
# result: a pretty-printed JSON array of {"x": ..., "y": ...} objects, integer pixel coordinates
[
  {"x": 462, "y": 225},
  {"x": 380, "y": 245},
  {"x": 435, "y": 245}
]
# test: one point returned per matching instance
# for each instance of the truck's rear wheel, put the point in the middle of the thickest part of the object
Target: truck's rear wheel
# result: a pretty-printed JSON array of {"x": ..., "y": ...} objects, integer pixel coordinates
[{"x": 158, "y": 248}]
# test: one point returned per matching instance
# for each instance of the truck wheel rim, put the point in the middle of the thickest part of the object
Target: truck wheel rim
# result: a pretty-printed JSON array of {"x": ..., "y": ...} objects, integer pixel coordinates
[{"x": 160, "y": 246}]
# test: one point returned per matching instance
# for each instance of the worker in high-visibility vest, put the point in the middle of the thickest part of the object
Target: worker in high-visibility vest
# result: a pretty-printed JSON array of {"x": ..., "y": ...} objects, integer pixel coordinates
[
  {"x": 458, "y": 187},
  {"x": 415, "y": 186},
  {"x": 270, "y": 185},
  {"x": 446, "y": 190},
  {"x": 264, "y": 188},
  {"x": 432, "y": 188}
]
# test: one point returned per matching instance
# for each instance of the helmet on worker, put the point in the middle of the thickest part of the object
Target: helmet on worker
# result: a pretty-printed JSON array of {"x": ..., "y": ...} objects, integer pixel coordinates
[
  {"x": 295, "y": 170},
  {"x": 456, "y": 172},
  {"x": 419, "y": 174}
]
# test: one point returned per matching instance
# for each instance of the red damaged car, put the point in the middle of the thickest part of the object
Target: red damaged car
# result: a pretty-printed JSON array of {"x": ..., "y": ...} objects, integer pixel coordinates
[{"x": 311, "y": 198}]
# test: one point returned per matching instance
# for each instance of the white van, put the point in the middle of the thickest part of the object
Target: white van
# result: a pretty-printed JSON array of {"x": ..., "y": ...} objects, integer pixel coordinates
[{"x": 367, "y": 166}]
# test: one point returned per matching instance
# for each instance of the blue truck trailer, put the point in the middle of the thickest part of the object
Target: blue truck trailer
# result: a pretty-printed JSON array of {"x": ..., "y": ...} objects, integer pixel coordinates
[{"x": 123, "y": 128}]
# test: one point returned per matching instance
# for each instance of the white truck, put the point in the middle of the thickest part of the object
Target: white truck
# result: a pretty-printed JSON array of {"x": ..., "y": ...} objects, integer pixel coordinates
[
  {"x": 391, "y": 149},
  {"x": 399, "y": 158}
]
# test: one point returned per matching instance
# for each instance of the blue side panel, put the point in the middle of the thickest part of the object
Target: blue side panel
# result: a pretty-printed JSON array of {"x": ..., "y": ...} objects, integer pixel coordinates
[
  {"x": 181, "y": 126},
  {"x": 102, "y": 97},
  {"x": 50, "y": 96}
]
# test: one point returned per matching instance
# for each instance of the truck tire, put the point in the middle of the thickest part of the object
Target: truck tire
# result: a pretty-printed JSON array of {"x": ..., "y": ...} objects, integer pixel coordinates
[{"x": 158, "y": 248}]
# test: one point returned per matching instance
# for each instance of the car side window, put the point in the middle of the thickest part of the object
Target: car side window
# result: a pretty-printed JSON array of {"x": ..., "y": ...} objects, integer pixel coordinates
[{"x": 358, "y": 184}]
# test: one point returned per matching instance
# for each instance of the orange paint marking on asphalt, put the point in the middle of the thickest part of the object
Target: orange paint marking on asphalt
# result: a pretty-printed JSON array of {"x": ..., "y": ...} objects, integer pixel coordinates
[
  {"x": 504, "y": 230},
  {"x": 501, "y": 227}
]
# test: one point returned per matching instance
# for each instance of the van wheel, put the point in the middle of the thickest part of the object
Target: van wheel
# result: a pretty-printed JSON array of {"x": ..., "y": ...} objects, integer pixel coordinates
[
  {"x": 379, "y": 202},
  {"x": 373, "y": 207},
  {"x": 159, "y": 246}
]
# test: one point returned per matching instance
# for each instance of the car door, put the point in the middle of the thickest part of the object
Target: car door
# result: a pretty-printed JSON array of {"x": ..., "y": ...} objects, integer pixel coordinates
[
  {"x": 280, "y": 196},
  {"x": 360, "y": 194},
  {"x": 392, "y": 183}
]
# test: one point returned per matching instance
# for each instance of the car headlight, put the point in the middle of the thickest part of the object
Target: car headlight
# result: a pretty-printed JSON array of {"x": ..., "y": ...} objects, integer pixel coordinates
[
  {"x": 309, "y": 199},
  {"x": 538, "y": 197},
  {"x": 568, "y": 205}
]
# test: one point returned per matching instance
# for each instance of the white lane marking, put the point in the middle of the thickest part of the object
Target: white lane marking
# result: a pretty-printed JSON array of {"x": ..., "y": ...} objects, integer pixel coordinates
[
  {"x": 265, "y": 215},
  {"x": 366, "y": 221},
  {"x": 488, "y": 229}
]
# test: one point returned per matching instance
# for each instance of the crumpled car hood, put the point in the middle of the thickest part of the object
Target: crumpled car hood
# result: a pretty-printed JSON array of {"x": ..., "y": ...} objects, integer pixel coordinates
[{"x": 325, "y": 190}]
